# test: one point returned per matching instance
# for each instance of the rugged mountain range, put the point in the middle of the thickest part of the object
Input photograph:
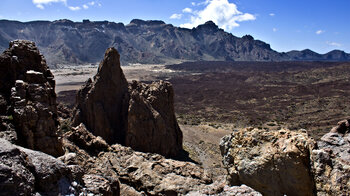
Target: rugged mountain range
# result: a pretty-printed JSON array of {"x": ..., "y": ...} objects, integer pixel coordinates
[{"x": 68, "y": 42}]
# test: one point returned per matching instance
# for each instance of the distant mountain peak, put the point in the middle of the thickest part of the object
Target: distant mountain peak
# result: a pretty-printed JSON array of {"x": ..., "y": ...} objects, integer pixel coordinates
[
  {"x": 248, "y": 37},
  {"x": 209, "y": 24},
  {"x": 147, "y": 22},
  {"x": 63, "y": 22}
]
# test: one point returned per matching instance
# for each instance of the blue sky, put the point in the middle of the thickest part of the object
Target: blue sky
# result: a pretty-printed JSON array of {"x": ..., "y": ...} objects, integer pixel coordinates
[{"x": 320, "y": 25}]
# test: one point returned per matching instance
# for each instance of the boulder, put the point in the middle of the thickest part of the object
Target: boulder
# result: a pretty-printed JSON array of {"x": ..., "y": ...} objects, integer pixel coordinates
[
  {"x": 28, "y": 88},
  {"x": 152, "y": 125},
  {"x": 271, "y": 162},
  {"x": 102, "y": 104},
  {"x": 98, "y": 185},
  {"x": 27, "y": 172},
  {"x": 331, "y": 161}
]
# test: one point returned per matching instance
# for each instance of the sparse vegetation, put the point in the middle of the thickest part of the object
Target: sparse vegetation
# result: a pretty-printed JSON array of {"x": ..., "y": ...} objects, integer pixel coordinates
[{"x": 10, "y": 117}]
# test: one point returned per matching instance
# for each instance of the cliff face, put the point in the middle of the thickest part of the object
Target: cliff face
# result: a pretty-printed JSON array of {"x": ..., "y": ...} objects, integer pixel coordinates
[{"x": 67, "y": 42}]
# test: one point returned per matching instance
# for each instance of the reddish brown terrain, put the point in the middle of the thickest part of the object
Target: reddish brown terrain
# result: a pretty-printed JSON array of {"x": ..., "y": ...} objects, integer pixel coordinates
[{"x": 295, "y": 95}]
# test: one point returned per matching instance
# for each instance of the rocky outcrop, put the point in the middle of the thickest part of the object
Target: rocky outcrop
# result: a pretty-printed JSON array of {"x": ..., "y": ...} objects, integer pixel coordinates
[
  {"x": 142, "y": 173},
  {"x": 272, "y": 162},
  {"x": 140, "y": 116},
  {"x": 152, "y": 125},
  {"x": 28, "y": 89},
  {"x": 97, "y": 185},
  {"x": 331, "y": 161},
  {"x": 102, "y": 104},
  {"x": 26, "y": 172},
  {"x": 86, "y": 140}
]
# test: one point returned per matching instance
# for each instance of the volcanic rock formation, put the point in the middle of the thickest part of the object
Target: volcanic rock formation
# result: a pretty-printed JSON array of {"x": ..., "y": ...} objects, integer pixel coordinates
[
  {"x": 285, "y": 162},
  {"x": 141, "y": 117},
  {"x": 331, "y": 161},
  {"x": 141, "y": 173},
  {"x": 28, "y": 99},
  {"x": 102, "y": 104},
  {"x": 272, "y": 162},
  {"x": 152, "y": 125},
  {"x": 26, "y": 172}
]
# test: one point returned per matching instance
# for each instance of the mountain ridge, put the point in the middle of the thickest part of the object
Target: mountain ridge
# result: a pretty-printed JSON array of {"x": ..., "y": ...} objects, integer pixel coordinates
[{"x": 146, "y": 41}]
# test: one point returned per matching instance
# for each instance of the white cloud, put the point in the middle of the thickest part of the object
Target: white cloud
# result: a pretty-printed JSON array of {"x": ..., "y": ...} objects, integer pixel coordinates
[
  {"x": 40, "y": 3},
  {"x": 187, "y": 10},
  {"x": 319, "y": 32},
  {"x": 224, "y": 14},
  {"x": 206, "y": 2},
  {"x": 334, "y": 44},
  {"x": 272, "y": 14},
  {"x": 48, "y": 1},
  {"x": 40, "y": 6},
  {"x": 176, "y": 16},
  {"x": 274, "y": 29},
  {"x": 76, "y": 8}
]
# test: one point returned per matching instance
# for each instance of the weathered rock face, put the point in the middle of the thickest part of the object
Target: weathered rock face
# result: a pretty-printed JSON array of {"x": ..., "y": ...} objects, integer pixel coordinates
[
  {"x": 140, "y": 116},
  {"x": 86, "y": 140},
  {"x": 331, "y": 161},
  {"x": 101, "y": 186},
  {"x": 272, "y": 162},
  {"x": 102, "y": 104},
  {"x": 28, "y": 89},
  {"x": 141, "y": 173},
  {"x": 24, "y": 171},
  {"x": 152, "y": 125}
]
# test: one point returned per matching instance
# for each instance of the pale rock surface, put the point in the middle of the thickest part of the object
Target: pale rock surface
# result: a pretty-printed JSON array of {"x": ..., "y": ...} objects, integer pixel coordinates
[
  {"x": 272, "y": 162},
  {"x": 100, "y": 186},
  {"x": 331, "y": 161}
]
